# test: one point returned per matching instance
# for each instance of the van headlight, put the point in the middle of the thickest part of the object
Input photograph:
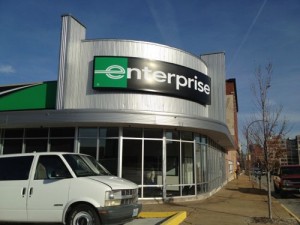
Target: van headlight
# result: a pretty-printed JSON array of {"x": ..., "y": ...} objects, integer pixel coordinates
[{"x": 113, "y": 198}]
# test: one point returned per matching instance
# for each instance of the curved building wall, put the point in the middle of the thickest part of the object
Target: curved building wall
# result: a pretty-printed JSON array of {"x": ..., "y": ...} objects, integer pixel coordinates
[{"x": 77, "y": 69}]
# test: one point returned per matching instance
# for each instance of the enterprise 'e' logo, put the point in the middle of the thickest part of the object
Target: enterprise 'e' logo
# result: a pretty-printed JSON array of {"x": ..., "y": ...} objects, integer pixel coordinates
[
  {"x": 115, "y": 72},
  {"x": 110, "y": 72}
]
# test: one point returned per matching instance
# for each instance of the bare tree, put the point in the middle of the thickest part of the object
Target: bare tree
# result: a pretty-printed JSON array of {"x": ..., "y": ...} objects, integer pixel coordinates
[{"x": 265, "y": 126}]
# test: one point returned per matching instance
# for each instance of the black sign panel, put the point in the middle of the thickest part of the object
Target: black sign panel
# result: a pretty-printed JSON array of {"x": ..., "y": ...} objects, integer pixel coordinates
[{"x": 143, "y": 75}]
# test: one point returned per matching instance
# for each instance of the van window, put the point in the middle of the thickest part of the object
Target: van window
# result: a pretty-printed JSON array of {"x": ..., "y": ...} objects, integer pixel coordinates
[
  {"x": 15, "y": 168},
  {"x": 51, "y": 167}
]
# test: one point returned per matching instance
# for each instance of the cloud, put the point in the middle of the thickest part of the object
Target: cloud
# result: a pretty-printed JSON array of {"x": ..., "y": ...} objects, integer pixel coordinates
[
  {"x": 245, "y": 38},
  {"x": 292, "y": 117},
  {"x": 165, "y": 22},
  {"x": 7, "y": 69}
]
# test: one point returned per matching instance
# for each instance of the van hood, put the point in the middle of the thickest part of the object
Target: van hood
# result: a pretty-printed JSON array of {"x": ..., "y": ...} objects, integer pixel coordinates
[{"x": 114, "y": 182}]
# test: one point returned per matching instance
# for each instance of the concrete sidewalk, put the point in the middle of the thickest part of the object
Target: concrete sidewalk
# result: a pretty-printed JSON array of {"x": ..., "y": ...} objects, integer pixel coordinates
[{"x": 238, "y": 202}]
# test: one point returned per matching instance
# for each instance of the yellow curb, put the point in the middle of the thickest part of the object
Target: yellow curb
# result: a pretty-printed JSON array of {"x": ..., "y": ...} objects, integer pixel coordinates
[
  {"x": 292, "y": 214},
  {"x": 175, "y": 217},
  {"x": 155, "y": 214}
]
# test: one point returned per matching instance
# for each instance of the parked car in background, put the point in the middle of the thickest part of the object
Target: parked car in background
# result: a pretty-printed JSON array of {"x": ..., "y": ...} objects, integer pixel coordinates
[
  {"x": 64, "y": 188},
  {"x": 287, "y": 180},
  {"x": 257, "y": 171}
]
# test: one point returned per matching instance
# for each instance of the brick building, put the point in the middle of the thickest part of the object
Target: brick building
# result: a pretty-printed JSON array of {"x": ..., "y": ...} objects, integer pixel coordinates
[{"x": 233, "y": 157}]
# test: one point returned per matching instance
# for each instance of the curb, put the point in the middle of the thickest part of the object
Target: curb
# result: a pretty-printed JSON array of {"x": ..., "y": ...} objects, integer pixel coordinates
[
  {"x": 175, "y": 217},
  {"x": 292, "y": 214}
]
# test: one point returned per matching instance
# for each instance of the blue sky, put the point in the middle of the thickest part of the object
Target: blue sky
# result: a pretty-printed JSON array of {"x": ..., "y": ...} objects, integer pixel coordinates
[{"x": 250, "y": 32}]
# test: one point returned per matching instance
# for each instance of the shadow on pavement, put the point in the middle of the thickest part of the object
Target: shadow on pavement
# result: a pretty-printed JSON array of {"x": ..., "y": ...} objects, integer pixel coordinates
[{"x": 255, "y": 191}]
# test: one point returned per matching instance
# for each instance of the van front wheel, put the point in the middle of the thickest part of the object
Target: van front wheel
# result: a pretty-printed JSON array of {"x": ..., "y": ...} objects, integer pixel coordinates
[{"x": 83, "y": 215}]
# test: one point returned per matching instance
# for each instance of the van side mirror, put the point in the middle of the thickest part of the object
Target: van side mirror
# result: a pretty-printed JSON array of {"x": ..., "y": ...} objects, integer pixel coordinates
[{"x": 57, "y": 174}]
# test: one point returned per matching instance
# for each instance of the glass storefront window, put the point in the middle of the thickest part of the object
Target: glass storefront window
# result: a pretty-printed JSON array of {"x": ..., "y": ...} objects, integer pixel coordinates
[
  {"x": 132, "y": 160},
  {"x": 109, "y": 154},
  {"x": 132, "y": 132},
  {"x": 12, "y": 146},
  {"x": 62, "y": 139},
  {"x": 153, "y": 133},
  {"x": 203, "y": 140},
  {"x": 36, "y": 145},
  {"x": 87, "y": 141},
  {"x": 36, "y": 133},
  {"x": 153, "y": 159},
  {"x": 180, "y": 178},
  {"x": 88, "y": 146},
  {"x": 109, "y": 132},
  {"x": 187, "y": 136},
  {"x": 173, "y": 134},
  {"x": 187, "y": 150},
  {"x": 62, "y": 145},
  {"x": 173, "y": 169},
  {"x": 204, "y": 166},
  {"x": 36, "y": 139},
  {"x": 62, "y": 132},
  {"x": 200, "y": 139},
  {"x": 101, "y": 143},
  {"x": 13, "y": 141},
  {"x": 153, "y": 171},
  {"x": 13, "y": 133},
  {"x": 87, "y": 132}
]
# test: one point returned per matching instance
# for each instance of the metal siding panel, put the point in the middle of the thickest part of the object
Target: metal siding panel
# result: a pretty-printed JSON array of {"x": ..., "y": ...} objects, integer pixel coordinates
[
  {"x": 79, "y": 93},
  {"x": 216, "y": 70},
  {"x": 62, "y": 63},
  {"x": 72, "y": 34}
]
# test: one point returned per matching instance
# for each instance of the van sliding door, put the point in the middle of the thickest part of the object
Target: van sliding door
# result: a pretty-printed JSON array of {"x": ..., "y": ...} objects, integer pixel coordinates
[
  {"x": 48, "y": 190},
  {"x": 14, "y": 180}
]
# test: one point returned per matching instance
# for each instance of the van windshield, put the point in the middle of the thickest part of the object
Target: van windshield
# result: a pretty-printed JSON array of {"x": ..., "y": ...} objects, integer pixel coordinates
[{"x": 84, "y": 165}]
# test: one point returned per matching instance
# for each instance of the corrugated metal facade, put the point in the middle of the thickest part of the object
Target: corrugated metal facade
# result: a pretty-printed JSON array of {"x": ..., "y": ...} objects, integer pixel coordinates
[
  {"x": 75, "y": 90},
  {"x": 216, "y": 70},
  {"x": 76, "y": 85}
]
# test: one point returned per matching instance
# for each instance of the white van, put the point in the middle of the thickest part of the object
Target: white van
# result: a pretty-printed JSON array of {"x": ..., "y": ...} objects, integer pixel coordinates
[{"x": 64, "y": 188}]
